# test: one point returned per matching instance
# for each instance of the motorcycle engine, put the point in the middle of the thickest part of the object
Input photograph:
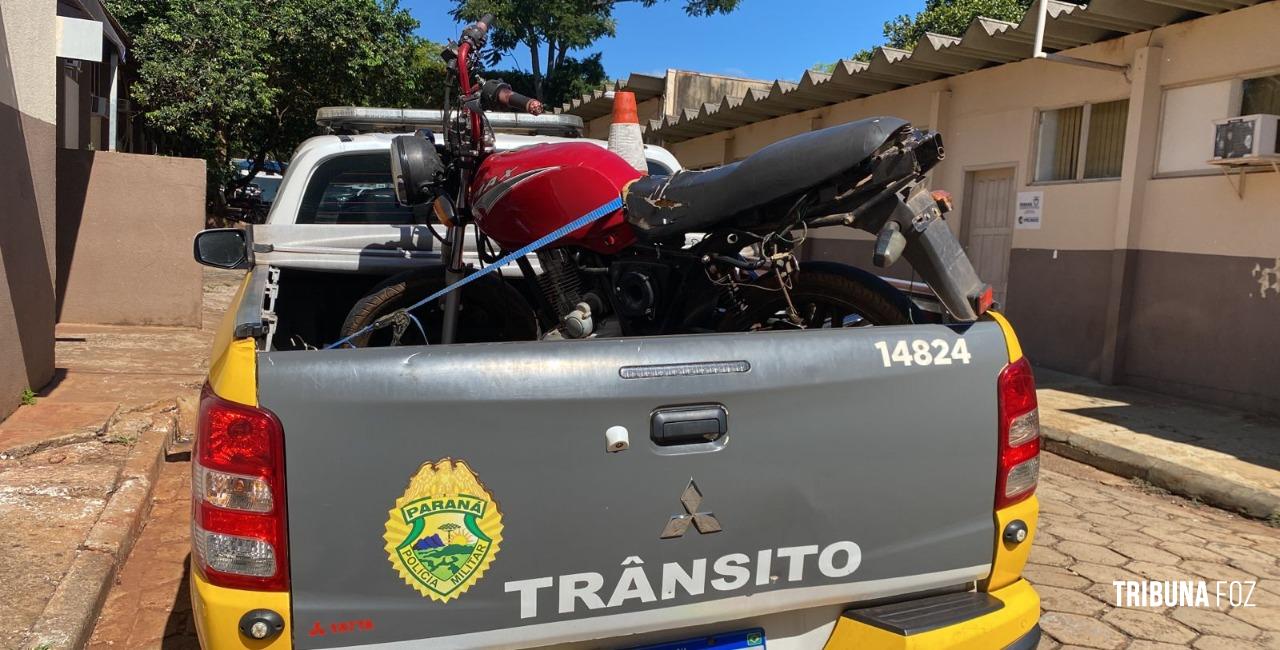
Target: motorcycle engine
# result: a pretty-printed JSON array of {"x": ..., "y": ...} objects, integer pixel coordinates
[{"x": 562, "y": 285}]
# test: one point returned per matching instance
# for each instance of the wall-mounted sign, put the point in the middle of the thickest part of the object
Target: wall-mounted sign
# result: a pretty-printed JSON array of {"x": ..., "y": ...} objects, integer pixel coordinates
[
  {"x": 1030, "y": 209},
  {"x": 78, "y": 39}
]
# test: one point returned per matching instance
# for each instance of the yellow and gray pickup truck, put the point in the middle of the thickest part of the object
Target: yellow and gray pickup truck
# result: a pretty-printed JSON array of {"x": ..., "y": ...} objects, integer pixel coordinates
[{"x": 863, "y": 487}]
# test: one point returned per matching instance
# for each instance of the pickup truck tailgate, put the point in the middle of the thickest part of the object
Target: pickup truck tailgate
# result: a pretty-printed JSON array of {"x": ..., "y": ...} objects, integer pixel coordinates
[{"x": 465, "y": 494}]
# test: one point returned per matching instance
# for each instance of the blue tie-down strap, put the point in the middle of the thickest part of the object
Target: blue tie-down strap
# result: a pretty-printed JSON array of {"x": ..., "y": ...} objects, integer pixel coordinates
[{"x": 585, "y": 220}]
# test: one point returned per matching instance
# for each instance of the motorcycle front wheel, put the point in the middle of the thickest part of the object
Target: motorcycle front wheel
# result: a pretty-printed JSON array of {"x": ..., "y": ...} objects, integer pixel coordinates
[
  {"x": 814, "y": 299},
  {"x": 491, "y": 310}
]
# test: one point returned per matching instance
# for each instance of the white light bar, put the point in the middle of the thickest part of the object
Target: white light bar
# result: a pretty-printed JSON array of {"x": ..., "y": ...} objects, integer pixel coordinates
[{"x": 363, "y": 119}]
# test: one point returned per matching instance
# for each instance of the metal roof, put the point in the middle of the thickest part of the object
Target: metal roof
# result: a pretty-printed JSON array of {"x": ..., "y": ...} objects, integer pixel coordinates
[
  {"x": 599, "y": 102},
  {"x": 987, "y": 42}
]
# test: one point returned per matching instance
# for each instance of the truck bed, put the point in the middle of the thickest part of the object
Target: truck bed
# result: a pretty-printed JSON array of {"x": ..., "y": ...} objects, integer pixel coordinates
[{"x": 466, "y": 494}]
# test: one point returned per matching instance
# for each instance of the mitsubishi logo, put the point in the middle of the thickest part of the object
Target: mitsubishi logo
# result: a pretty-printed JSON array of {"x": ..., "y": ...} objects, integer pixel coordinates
[{"x": 705, "y": 522}]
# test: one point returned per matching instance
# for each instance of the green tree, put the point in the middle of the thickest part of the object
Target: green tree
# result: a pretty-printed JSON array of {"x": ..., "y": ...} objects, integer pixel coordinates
[
  {"x": 574, "y": 78},
  {"x": 551, "y": 29},
  {"x": 950, "y": 17},
  {"x": 224, "y": 79},
  {"x": 430, "y": 69}
]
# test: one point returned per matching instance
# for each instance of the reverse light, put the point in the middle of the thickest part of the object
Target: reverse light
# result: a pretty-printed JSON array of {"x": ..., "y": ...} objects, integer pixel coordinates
[
  {"x": 245, "y": 556},
  {"x": 238, "y": 529},
  {"x": 1018, "y": 469},
  {"x": 1022, "y": 479}
]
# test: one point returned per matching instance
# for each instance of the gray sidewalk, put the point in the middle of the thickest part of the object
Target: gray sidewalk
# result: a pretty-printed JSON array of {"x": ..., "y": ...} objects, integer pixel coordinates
[{"x": 1225, "y": 458}]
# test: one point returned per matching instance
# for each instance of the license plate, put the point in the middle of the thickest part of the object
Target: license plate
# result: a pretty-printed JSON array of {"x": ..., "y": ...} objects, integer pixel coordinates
[{"x": 742, "y": 640}]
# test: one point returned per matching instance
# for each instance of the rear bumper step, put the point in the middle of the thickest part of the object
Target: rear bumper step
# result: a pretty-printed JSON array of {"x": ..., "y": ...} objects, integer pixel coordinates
[
  {"x": 925, "y": 614},
  {"x": 1005, "y": 618}
]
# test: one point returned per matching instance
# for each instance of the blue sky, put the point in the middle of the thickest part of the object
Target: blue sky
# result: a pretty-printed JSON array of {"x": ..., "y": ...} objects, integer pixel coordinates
[{"x": 764, "y": 39}]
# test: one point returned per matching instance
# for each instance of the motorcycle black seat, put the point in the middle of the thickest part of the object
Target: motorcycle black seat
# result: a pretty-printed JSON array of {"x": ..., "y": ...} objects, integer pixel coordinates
[{"x": 659, "y": 207}]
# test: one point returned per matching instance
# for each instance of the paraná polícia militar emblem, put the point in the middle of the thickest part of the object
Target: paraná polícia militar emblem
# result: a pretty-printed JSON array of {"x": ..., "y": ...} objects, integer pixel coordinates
[{"x": 444, "y": 531}]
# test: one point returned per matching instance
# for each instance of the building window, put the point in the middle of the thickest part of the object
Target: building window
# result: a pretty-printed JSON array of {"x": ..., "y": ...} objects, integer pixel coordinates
[
  {"x": 1104, "y": 152},
  {"x": 1186, "y": 124},
  {"x": 1260, "y": 95},
  {"x": 1081, "y": 142},
  {"x": 1059, "y": 144}
]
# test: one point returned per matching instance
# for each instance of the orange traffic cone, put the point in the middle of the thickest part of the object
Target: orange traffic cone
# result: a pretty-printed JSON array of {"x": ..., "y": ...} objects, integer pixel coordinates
[{"x": 625, "y": 137}]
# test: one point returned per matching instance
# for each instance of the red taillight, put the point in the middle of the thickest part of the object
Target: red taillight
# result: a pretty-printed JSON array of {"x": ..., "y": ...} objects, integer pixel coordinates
[
  {"x": 237, "y": 497},
  {"x": 1019, "y": 463},
  {"x": 983, "y": 300}
]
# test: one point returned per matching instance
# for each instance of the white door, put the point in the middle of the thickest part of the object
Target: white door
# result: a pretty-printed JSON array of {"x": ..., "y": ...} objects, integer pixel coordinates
[{"x": 988, "y": 225}]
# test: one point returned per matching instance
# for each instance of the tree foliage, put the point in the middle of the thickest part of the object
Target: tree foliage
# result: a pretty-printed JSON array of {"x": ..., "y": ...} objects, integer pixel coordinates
[
  {"x": 574, "y": 78},
  {"x": 223, "y": 79},
  {"x": 950, "y": 17},
  {"x": 551, "y": 29}
]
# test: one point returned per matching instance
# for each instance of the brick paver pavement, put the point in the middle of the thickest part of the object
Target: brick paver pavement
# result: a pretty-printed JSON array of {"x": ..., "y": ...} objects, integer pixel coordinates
[
  {"x": 150, "y": 606},
  {"x": 1095, "y": 528}
]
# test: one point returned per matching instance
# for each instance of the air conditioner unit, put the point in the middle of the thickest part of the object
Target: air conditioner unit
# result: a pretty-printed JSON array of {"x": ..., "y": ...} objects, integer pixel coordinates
[{"x": 1246, "y": 136}]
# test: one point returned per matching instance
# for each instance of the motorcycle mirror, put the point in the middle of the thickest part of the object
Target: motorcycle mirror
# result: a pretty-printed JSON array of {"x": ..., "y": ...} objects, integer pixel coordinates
[{"x": 417, "y": 170}]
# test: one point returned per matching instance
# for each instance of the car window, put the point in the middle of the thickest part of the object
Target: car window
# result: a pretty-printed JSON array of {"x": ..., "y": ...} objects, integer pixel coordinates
[
  {"x": 269, "y": 187},
  {"x": 353, "y": 189}
]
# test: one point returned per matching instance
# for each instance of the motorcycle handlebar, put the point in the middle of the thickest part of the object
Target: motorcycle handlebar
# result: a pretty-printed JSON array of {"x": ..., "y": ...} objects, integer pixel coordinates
[
  {"x": 495, "y": 93},
  {"x": 508, "y": 97},
  {"x": 478, "y": 32}
]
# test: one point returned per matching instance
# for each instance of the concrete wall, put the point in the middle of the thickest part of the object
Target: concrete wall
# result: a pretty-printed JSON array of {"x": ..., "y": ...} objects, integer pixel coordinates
[
  {"x": 125, "y": 224},
  {"x": 1157, "y": 281},
  {"x": 693, "y": 89},
  {"x": 682, "y": 90},
  {"x": 27, "y": 146}
]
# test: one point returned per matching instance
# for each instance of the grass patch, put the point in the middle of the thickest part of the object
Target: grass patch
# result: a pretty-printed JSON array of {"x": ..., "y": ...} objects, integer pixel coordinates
[
  {"x": 1148, "y": 487},
  {"x": 28, "y": 397}
]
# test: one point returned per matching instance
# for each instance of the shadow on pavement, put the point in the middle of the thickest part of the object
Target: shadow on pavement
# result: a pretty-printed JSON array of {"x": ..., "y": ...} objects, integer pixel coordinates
[{"x": 180, "y": 629}]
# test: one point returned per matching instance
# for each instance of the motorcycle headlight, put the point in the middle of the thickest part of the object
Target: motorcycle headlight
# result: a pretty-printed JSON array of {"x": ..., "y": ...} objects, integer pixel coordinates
[{"x": 416, "y": 169}]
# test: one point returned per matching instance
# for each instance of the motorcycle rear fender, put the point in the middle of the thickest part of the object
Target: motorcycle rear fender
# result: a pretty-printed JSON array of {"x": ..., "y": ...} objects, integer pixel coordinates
[{"x": 932, "y": 249}]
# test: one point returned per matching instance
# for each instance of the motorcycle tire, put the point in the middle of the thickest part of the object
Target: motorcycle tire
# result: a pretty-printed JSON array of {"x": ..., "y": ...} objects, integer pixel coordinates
[
  {"x": 821, "y": 299},
  {"x": 491, "y": 311}
]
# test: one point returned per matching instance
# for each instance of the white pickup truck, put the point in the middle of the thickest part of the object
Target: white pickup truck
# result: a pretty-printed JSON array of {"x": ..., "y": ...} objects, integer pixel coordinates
[{"x": 827, "y": 489}]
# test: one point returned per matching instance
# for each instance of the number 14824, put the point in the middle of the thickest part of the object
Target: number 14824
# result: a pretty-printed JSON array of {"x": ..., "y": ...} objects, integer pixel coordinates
[{"x": 921, "y": 352}]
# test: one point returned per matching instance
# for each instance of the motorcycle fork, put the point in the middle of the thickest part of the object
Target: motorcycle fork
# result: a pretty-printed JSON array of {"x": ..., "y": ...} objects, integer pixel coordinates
[
  {"x": 453, "y": 272},
  {"x": 455, "y": 269}
]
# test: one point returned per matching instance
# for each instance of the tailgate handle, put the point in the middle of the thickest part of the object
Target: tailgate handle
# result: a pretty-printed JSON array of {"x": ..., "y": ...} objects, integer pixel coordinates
[{"x": 688, "y": 425}]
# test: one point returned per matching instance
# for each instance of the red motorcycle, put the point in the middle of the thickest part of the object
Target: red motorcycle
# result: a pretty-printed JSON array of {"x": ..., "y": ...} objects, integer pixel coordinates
[{"x": 629, "y": 271}]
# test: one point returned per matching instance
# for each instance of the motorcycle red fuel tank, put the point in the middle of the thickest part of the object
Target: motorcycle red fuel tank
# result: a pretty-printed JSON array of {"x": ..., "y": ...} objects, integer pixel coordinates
[{"x": 520, "y": 195}]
